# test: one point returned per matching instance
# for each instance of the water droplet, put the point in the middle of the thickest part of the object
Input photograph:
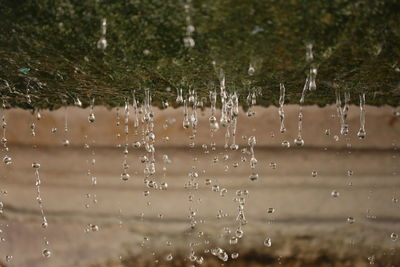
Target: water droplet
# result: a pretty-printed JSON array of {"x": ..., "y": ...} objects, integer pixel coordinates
[
  {"x": 45, "y": 224},
  {"x": 46, "y": 253},
  {"x": 253, "y": 176},
  {"x": 350, "y": 220},
  {"x": 125, "y": 176},
  {"x": 314, "y": 173},
  {"x": 169, "y": 257},
  {"x": 7, "y": 160},
  {"x": 91, "y": 118},
  {"x": 335, "y": 193},
  {"x": 394, "y": 236},
  {"x": 102, "y": 43},
  {"x": 361, "y": 134},
  {"x": 94, "y": 228},
  {"x": 35, "y": 165},
  {"x": 251, "y": 70},
  {"x": 371, "y": 260},
  {"x": 66, "y": 142},
  {"x": 299, "y": 141},
  {"x": 285, "y": 144},
  {"x": 268, "y": 242},
  {"x": 270, "y": 210},
  {"x": 188, "y": 42}
]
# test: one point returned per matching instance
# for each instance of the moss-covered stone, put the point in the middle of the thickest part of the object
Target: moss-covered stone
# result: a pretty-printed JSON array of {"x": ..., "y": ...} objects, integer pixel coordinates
[{"x": 49, "y": 47}]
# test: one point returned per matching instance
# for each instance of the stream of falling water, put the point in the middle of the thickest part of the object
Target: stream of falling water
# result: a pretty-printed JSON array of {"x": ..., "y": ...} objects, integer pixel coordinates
[{"x": 35, "y": 165}]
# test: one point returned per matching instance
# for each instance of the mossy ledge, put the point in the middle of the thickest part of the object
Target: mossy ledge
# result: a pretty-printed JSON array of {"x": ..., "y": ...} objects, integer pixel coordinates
[{"x": 49, "y": 47}]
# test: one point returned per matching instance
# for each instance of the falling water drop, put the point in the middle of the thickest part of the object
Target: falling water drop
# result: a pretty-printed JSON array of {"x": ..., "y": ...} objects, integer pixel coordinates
[
  {"x": 281, "y": 111},
  {"x": 102, "y": 42},
  {"x": 361, "y": 132},
  {"x": 394, "y": 236},
  {"x": 251, "y": 70},
  {"x": 335, "y": 194},
  {"x": 285, "y": 144},
  {"x": 350, "y": 220},
  {"x": 309, "y": 52},
  {"x": 169, "y": 257},
  {"x": 268, "y": 242},
  {"x": 312, "y": 82},
  {"x": 46, "y": 253}
]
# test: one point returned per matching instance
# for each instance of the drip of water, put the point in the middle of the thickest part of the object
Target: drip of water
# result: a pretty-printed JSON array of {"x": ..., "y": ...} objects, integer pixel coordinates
[
  {"x": 309, "y": 52},
  {"x": 299, "y": 140},
  {"x": 102, "y": 43},
  {"x": 253, "y": 161},
  {"x": 186, "y": 122},
  {"x": 193, "y": 116},
  {"x": 65, "y": 141},
  {"x": 361, "y": 132},
  {"x": 135, "y": 106},
  {"x": 78, "y": 102},
  {"x": 251, "y": 70},
  {"x": 305, "y": 88},
  {"x": 91, "y": 117},
  {"x": 313, "y": 75},
  {"x": 125, "y": 175},
  {"x": 179, "y": 97},
  {"x": 188, "y": 40},
  {"x": 281, "y": 103},
  {"x": 214, "y": 126}
]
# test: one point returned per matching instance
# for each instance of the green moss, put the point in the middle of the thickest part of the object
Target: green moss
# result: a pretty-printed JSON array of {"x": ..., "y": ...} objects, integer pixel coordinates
[{"x": 356, "y": 48}]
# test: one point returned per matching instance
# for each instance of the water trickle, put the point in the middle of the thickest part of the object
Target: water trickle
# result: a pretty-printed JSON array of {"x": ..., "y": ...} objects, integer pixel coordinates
[
  {"x": 281, "y": 111},
  {"x": 361, "y": 132}
]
